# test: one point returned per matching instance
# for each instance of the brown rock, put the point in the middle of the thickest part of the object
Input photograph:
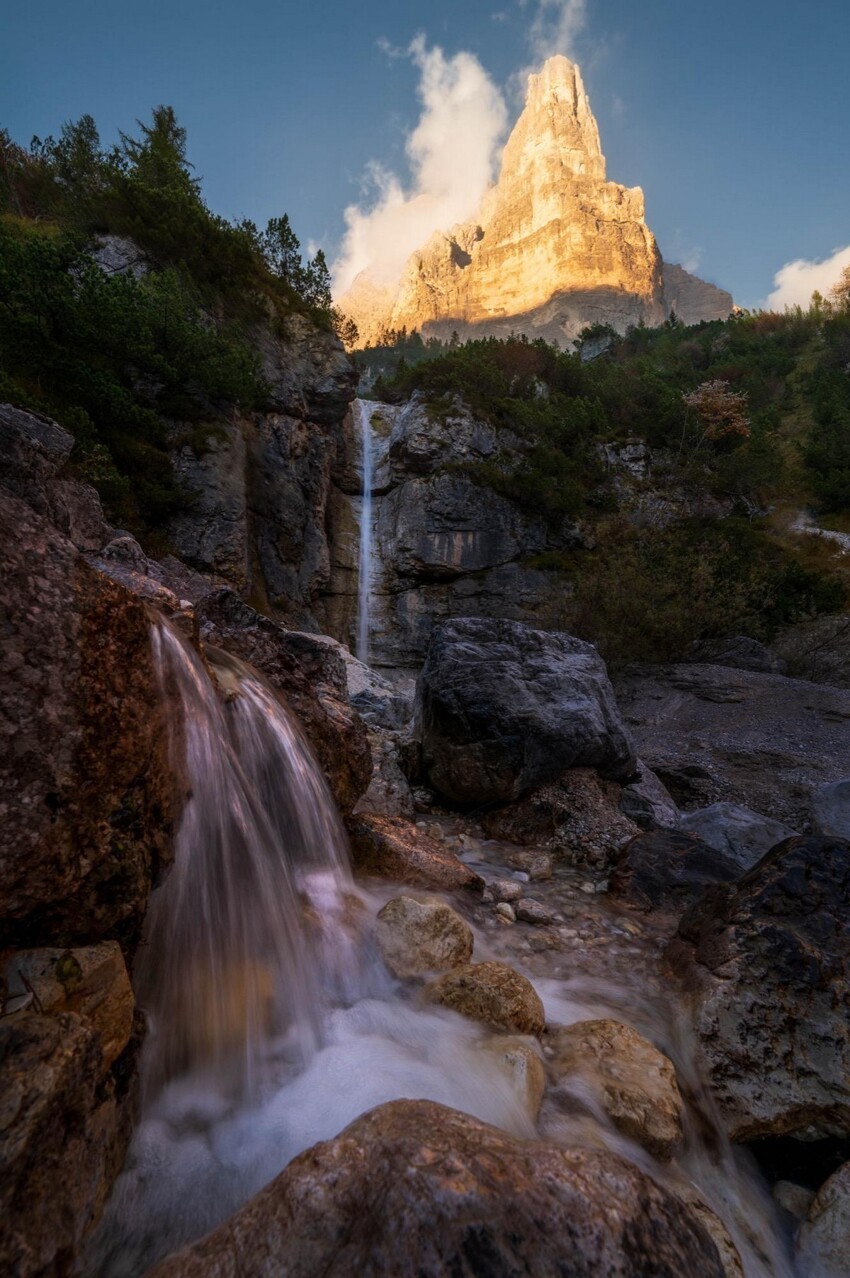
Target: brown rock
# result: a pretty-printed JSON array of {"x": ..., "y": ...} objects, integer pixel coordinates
[
  {"x": 414, "y": 1189},
  {"x": 87, "y": 783},
  {"x": 416, "y": 937},
  {"x": 393, "y": 848},
  {"x": 492, "y": 993},
  {"x": 531, "y": 911},
  {"x": 311, "y": 676},
  {"x": 633, "y": 1082},
  {"x": 537, "y": 865},
  {"x": 64, "y": 1131},
  {"x": 91, "y": 981},
  {"x": 521, "y": 1062}
]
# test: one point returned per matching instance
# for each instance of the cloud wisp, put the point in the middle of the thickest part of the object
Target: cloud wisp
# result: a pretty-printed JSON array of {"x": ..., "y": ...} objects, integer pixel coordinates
[
  {"x": 556, "y": 26},
  {"x": 452, "y": 153},
  {"x": 795, "y": 282}
]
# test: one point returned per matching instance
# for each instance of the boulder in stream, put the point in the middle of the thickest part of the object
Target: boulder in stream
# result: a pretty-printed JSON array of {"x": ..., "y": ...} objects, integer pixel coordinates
[
  {"x": 493, "y": 993},
  {"x": 413, "y": 1188},
  {"x": 416, "y": 937}
]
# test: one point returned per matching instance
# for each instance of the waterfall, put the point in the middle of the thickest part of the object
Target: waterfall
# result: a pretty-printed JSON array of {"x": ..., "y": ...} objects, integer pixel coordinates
[
  {"x": 362, "y": 412},
  {"x": 246, "y": 936}
]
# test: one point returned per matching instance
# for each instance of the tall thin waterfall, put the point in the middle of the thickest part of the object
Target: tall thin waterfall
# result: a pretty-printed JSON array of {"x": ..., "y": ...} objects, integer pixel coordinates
[
  {"x": 246, "y": 936},
  {"x": 362, "y": 412}
]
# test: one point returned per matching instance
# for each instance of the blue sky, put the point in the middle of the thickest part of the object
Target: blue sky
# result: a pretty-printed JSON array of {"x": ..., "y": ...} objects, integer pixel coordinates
[{"x": 734, "y": 117}]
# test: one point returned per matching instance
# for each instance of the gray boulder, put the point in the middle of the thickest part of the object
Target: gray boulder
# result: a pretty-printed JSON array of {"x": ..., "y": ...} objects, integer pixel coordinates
[
  {"x": 831, "y": 810},
  {"x": 503, "y": 708},
  {"x": 648, "y": 802},
  {"x": 743, "y": 836}
]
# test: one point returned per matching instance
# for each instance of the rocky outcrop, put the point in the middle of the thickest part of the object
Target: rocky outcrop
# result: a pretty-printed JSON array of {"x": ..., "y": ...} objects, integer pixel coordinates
[
  {"x": 503, "y": 708},
  {"x": 311, "y": 676},
  {"x": 770, "y": 959},
  {"x": 391, "y": 847},
  {"x": 413, "y": 1188},
  {"x": 89, "y": 796},
  {"x": 492, "y": 993},
  {"x": 761, "y": 741},
  {"x": 553, "y": 247},
  {"x": 633, "y": 1083}
]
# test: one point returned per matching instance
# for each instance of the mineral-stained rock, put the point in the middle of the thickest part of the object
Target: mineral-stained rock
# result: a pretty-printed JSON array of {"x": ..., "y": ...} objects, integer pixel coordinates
[
  {"x": 823, "y": 1243},
  {"x": 667, "y": 869},
  {"x": 492, "y": 993},
  {"x": 393, "y": 848},
  {"x": 504, "y": 708},
  {"x": 91, "y": 981},
  {"x": 64, "y": 1131},
  {"x": 772, "y": 964},
  {"x": 577, "y": 817},
  {"x": 520, "y": 1059},
  {"x": 311, "y": 676},
  {"x": 634, "y": 1083},
  {"x": 416, "y": 937},
  {"x": 86, "y": 776},
  {"x": 742, "y": 836},
  {"x": 414, "y": 1189}
]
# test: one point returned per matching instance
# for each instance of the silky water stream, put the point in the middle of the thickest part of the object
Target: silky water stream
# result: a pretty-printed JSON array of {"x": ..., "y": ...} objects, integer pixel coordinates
[{"x": 272, "y": 1023}]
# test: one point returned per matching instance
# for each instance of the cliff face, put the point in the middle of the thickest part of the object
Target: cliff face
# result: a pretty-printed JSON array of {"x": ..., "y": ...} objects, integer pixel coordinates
[{"x": 555, "y": 245}]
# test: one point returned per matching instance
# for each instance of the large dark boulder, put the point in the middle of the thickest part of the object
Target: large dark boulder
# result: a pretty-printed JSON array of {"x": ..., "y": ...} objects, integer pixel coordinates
[
  {"x": 771, "y": 960},
  {"x": 88, "y": 788},
  {"x": 668, "y": 870},
  {"x": 310, "y": 674},
  {"x": 503, "y": 708},
  {"x": 414, "y": 1189}
]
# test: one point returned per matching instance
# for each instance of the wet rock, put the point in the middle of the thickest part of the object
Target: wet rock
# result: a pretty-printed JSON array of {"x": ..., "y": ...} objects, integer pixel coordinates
[
  {"x": 630, "y": 1079},
  {"x": 89, "y": 790},
  {"x": 823, "y": 1243},
  {"x": 416, "y": 937},
  {"x": 742, "y": 836},
  {"x": 91, "y": 981},
  {"x": 35, "y": 467},
  {"x": 577, "y": 817},
  {"x": 831, "y": 810},
  {"x": 504, "y": 708},
  {"x": 388, "y": 792},
  {"x": 64, "y": 1131},
  {"x": 669, "y": 870},
  {"x": 795, "y": 1199},
  {"x": 730, "y": 1257},
  {"x": 648, "y": 802},
  {"x": 393, "y": 848},
  {"x": 520, "y": 1059},
  {"x": 715, "y": 734},
  {"x": 537, "y": 865},
  {"x": 505, "y": 890},
  {"x": 413, "y": 1188},
  {"x": 506, "y": 911},
  {"x": 530, "y": 911},
  {"x": 492, "y": 993},
  {"x": 311, "y": 676},
  {"x": 771, "y": 964}
]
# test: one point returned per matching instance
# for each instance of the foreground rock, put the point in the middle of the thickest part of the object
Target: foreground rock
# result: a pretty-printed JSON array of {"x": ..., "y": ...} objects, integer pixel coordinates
[
  {"x": 668, "y": 870},
  {"x": 823, "y": 1243},
  {"x": 577, "y": 817},
  {"x": 89, "y": 795},
  {"x": 65, "y": 1126},
  {"x": 742, "y": 836},
  {"x": 311, "y": 675},
  {"x": 414, "y": 1189},
  {"x": 831, "y": 810},
  {"x": 504, "y": 708},
  {"x": 417, "y": 937},
  {"x": 761, "y": 741},
  {"x": 394, "y": 848},
  {"x": 492, "y": 993},
  {"x": 772, "y": 965},
  {"x": 632, "y": 1081}
]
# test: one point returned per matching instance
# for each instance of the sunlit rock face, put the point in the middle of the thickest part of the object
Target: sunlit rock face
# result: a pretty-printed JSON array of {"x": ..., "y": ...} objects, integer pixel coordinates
[{"x": 555, "y": 246}]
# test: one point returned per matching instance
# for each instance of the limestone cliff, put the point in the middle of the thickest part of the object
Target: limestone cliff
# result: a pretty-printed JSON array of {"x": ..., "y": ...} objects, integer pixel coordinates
[{"x": 555, "y": 245}]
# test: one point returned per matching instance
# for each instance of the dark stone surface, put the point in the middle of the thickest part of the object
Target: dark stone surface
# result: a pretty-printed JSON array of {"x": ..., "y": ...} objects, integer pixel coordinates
[
  {"x": 503, "y": 708},
  {"x": 668, "y": 870}
]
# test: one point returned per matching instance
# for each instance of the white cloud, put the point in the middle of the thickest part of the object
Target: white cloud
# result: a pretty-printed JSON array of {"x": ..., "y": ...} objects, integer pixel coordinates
[
  {"x": 796, "y": 281},
  {"x": 452, "y": 154},
  {"x": 555, "y": 27}
]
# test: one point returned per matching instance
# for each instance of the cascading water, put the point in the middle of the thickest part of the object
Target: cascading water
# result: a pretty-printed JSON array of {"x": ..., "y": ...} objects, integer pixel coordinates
[
  {"x": 362, "y": 414},
  {"x": 272, "y": 1026}
]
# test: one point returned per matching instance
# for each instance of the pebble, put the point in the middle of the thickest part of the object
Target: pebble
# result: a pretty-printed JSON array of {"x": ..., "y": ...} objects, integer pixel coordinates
[
  {"x": 505, "y": 890},
  {"x": 529, "y": 911},
  {"x": 506, "y": 912},
  {"x": 589, "y": 888}
]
